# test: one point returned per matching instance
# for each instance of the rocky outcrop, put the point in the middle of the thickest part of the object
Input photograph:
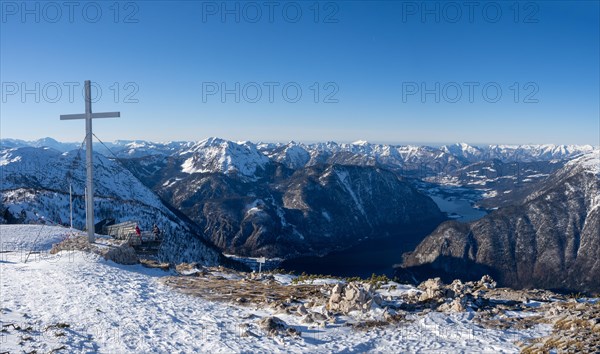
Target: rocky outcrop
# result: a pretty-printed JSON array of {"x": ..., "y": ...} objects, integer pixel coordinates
[
  {"x": 549, "y": 241},
  {"x": 112, "y": 250},
  {"x": 353, "y": 296},
  {"x": 273, "y": 326},
  {"x": 457, "y": 296},
  {"x": 433, "y": 289}
]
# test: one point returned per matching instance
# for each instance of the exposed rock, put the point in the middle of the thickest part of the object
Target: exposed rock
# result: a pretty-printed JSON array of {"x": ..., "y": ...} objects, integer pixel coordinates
[
  {"x": 189, "y": 269},
  {"x": 575, "y": 329},
  {"x": 458, "y": 304},
  {"x": 349, "y": 297},
  {"x": 302, "y": 310},
  {"x": 317, "y": 316},
  {"x": 458, "y": 288},
  {"x": 275, "y": 326},
  {"x": 308, "y": 319},
  {"x": 456, "y": 297},
  {"x": 248, "y": 333},
  {"x": 113, "y": 250},
  {"x": 433, "y": 289},
  {"x": 487, "y": 282}
]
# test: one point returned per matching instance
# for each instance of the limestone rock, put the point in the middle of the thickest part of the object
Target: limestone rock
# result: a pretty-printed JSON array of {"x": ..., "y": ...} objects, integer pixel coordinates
[
  {"x": 112, "y": 250},
  {"x": 433, "y": 289},
  {"x": 302, "y": 310},
  {"x": 487, "y": 282},
  {"x": 276, "y": 326},
  {"x": 458, "y": 304},
  {"x": 349, "y": 297}
]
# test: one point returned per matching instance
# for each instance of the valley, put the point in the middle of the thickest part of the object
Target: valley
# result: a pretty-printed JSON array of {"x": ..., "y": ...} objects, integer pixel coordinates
[{"x": 327, "y": 208}]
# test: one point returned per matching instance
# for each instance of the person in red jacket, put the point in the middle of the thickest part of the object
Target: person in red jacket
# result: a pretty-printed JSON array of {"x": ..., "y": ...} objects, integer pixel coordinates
[{"x": 137, "y": 231}]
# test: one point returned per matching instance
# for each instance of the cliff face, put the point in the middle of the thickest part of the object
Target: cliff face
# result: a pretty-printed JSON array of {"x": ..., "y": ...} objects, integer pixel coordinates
[
  {"x": 310, "y": 211},
  {"x": 550, "y": 240}
]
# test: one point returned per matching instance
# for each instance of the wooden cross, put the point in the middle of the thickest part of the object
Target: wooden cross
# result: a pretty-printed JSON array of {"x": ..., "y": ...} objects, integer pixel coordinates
[{"x": 89, "y": 190}]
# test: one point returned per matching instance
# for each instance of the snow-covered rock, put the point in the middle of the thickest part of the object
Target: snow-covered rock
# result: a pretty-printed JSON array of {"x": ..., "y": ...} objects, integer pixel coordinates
[{"x": 349, "y": 297}]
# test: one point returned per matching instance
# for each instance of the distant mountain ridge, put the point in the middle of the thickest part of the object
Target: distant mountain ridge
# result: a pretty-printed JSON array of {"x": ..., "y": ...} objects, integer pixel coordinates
[{"x": 220, "y": 155}]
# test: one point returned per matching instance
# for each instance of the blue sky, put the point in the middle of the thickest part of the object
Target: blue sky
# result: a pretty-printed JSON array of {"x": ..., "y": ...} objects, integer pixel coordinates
[{"x": 362, "y": 68}]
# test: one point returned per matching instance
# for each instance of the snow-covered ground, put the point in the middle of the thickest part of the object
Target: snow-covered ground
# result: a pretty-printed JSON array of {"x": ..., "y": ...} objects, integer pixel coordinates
[
  {"x": 82, "y": 303},
  {"x": 27, "y": 238}
]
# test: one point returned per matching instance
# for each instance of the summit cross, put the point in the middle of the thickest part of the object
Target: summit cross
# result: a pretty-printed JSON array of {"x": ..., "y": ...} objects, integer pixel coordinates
[{"x": 89, "y": 190}]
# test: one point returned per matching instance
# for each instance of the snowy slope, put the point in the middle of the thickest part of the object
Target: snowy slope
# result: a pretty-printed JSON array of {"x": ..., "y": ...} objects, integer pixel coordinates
[
  {"x": 111, "y": 308},
  {"x": 218, "y": 155},
  {"x": 48, "y": 169},
  {"x": 535, "y": 152},
  {"x": 586, "y": 170},
  {"x": 35, "y": 189},
  {"x": 31, "y": 237},
  {"x": 41, "y": 177},
  {"x": 589, "y": 162},
  {"x": 141, "y": 148}
]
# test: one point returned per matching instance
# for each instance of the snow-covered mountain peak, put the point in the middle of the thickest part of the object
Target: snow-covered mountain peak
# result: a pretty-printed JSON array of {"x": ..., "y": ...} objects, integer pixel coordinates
[
  {"x": 212, "y": 142},
  {"x": 224, "y": 156},
  {"x": 463, "y": 150},
  {"x": 47, "y": 141},
  {"x": 460, "y": 147},
  {"x": 589, "y": 162}
]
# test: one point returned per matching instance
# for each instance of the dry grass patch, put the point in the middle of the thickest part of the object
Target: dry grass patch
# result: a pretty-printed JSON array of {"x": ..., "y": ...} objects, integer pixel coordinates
[
  {"x": 245, "y": 291},
  {"x": 576, "y": 329}
]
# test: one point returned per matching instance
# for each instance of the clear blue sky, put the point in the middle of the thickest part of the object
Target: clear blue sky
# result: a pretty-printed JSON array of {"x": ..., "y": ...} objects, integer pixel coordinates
[{"x": 373, "y": 58}]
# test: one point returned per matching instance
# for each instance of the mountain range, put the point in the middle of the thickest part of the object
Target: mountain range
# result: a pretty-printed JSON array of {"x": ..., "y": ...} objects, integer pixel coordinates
[
  {"x": 295, "y": 154},
  {"x": 296, "y": 199}
]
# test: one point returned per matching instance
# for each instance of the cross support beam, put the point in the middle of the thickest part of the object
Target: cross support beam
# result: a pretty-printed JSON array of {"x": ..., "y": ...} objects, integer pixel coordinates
[
  {"x": 89, "y": 193},
  {"x": 94, "y": 115}
]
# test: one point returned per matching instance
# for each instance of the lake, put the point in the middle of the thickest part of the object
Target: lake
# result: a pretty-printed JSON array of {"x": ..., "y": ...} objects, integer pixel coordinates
[
  {"x": 375, "y": 255},
  {"x": 379, "y": 255},
  {"x": 458, "y": 209}
]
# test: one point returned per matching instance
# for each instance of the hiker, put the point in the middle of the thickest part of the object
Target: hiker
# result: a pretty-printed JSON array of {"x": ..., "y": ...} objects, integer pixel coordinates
[
  {"x": 137, "y": 231},
  {"x": 156, "y": 231}
]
